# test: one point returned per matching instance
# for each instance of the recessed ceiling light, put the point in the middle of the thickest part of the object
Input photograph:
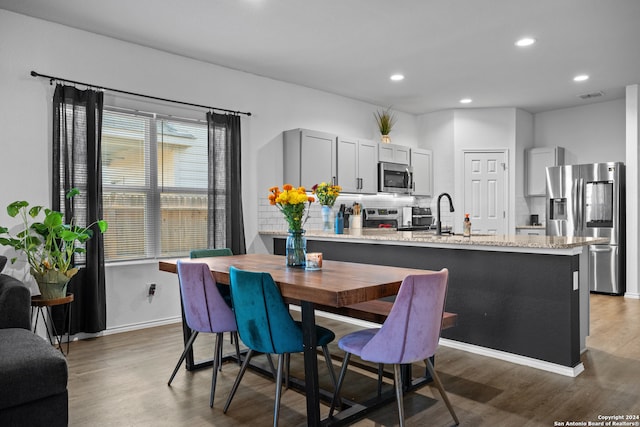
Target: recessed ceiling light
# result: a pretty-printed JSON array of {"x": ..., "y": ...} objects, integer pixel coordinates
[
  {"x": 466, "y": 101},
  {"x": 525, "y": 41},
  {"x": 581, "y": 78},
  {"x": 397, "y": 77}
]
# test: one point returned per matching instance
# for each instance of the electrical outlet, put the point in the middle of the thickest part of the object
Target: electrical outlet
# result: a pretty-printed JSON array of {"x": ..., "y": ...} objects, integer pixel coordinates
[{"x": 152, "y": 289}]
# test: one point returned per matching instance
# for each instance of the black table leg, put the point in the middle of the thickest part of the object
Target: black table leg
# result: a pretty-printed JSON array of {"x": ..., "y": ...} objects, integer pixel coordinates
[{"x": 312, "y": 387}]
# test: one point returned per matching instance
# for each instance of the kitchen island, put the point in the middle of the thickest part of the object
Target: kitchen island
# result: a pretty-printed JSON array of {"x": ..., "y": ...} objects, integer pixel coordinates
[{"x": 519, "y": 298}]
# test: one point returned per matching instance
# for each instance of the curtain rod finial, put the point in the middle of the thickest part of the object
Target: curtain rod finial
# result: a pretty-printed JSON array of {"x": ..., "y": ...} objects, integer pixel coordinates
[{"x": 34, "y": 74}]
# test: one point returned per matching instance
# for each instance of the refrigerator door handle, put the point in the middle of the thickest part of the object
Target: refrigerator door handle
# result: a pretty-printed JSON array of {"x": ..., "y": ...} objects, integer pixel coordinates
[
  {"x": 581, "y": 206},
  {"x": 600, "y": 248}
]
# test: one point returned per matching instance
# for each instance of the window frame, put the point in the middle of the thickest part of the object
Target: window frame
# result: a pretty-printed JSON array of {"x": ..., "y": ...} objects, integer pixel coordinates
[{"x": 153, "y": 188}]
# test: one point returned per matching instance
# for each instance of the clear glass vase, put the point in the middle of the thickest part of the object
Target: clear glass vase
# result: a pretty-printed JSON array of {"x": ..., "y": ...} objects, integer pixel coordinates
[
  {"x": 296, "y": 249},
  {"x": 327, "y": 221}
]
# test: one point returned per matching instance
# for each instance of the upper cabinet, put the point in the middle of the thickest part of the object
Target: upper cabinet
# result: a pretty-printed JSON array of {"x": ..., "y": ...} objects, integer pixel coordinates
[
  {"x": 422, "y": 165},
  {"x": 394, "y": 153},
  {"x": 537, "y": 160},
  {"x": 310, "y": 157},
  {"x": 357, "y": 165}
]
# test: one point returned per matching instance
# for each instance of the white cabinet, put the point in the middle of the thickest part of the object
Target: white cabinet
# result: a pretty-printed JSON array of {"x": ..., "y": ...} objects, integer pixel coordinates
[
  {"x": 394, "y": 153},
  {"x": 357, "y": 165},
  {"x": 309, "y": 157},
  {"x": 422, "y": 164},
  {"x": 537, "y": 160},
  {"x": 530, "y": 231}
]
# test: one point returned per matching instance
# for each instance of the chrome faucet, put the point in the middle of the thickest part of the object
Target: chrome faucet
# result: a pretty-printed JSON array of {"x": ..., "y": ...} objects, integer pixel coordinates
[{"x": 438, "y": 223}]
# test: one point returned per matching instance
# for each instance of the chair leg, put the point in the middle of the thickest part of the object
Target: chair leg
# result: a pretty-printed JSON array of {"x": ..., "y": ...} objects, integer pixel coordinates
[
  {"x": 187, "y": 347},
  {"x": 273, "y": 368},
  {"x": 237, "y": 343},
  {"x": 336, "y": 393},
  {"x": 217, "y": 361},
  {"x": 380, "y": 375},
  {"x": 276, "y": 405},
  {"x": 287, "y": 369},
  {"x": 219, "y": 353},
  {"x": 243, "y": 368},
  {"x": 397, "y": 376},
  {"x": 332, "y": 373},
  {"x": 443, "y": 393}
]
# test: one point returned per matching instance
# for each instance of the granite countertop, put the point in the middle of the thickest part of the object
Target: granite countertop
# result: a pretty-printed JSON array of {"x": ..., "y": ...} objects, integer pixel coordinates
[
  {"x": 529, "y": 227},
  {"x": 394, "y": 236}
]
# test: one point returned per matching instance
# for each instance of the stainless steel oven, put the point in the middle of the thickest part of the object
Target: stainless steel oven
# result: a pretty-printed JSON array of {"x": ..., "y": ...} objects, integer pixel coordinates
[
  {"x": 395, "y": 178},
  {"x": 382, "y": 218}
]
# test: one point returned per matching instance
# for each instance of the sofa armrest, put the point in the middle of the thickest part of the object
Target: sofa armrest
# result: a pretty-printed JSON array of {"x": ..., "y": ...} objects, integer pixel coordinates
[{"x": 15, "y": 303}]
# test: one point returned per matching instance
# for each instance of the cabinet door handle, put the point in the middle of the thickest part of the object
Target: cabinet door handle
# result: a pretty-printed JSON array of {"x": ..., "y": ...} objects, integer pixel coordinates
[{"x": 333, "y": 180}]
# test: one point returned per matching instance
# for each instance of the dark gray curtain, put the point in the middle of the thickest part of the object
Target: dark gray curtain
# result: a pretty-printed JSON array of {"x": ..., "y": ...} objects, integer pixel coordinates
[
  {"x": 77, "y": 128},
  {"x": 226, "y": 224}
]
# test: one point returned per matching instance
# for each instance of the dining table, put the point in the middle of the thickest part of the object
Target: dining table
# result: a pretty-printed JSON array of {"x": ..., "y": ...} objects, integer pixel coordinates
[{"x": 337, "y": 284}]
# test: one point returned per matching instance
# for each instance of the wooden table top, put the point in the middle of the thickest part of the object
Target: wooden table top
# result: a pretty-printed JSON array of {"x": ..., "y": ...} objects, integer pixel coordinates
[{"x": 337, "y": 284}]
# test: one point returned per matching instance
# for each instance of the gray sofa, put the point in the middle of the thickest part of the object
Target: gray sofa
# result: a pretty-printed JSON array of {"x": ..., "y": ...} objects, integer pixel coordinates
[{"x": 33, "y": 379}]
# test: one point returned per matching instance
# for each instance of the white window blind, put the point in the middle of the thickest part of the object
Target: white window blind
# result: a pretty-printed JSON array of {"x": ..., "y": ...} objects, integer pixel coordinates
[{"x": 154, "y": 185}]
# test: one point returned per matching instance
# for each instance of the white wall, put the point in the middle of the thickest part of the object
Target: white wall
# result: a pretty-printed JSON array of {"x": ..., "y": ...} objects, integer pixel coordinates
[
  {"x": 524, "y": 138},
  {"x": 633, "y": 189},
  {"x": 589, "y": 134},
  {"x": 25, "y": 115},
  {"x": 436, "y": 131}
]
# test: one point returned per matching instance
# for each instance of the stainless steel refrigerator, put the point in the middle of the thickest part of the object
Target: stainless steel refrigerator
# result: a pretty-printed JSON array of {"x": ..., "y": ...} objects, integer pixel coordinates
[{"x": 589, "y": 201}]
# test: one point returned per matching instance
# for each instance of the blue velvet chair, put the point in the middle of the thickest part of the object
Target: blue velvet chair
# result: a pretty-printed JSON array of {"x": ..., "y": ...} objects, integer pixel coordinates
[
  {"x": 410, "y": 334},
  {"x": 205, "y": 311},
  {"x": 266, "y": 326}
]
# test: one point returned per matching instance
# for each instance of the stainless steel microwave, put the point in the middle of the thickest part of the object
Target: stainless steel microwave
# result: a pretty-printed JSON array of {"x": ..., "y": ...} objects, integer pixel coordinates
[{"x": 395, "y": 178}]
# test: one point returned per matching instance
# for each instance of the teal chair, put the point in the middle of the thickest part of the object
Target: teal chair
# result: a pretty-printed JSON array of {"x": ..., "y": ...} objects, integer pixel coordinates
[{"x": 266, "y": 326}]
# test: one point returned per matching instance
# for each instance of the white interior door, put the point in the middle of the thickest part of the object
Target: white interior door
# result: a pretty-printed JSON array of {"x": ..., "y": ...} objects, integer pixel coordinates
[{"x": 484, "y": 191}]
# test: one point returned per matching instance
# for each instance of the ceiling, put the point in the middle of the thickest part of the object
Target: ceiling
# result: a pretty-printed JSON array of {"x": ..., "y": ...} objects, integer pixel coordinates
[{"x": 447, "y": 49}]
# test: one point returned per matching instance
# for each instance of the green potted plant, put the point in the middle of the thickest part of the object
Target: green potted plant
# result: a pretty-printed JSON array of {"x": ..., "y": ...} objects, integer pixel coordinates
[
  {"x": 48, "y": 244},
  {"x": 385, "y": 121}
]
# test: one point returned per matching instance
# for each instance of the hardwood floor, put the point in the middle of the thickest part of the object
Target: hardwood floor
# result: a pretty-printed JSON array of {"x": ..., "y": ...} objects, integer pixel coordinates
[{"x": 121, "y": 380}]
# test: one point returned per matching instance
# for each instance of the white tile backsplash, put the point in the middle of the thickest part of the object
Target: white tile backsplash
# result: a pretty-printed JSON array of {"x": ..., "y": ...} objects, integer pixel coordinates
[{"x": 270, "y": 217}]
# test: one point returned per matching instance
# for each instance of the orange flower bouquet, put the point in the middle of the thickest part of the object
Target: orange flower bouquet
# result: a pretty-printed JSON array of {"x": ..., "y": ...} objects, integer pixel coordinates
[{"x": 291, "y": 202}]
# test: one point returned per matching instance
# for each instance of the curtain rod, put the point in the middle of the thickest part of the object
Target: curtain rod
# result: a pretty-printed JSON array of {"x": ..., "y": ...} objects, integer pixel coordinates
[{"x": 52, "y": 78}]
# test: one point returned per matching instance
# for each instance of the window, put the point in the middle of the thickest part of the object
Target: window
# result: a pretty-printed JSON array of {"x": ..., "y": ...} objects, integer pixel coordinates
[{"x": 155, "y": 186}]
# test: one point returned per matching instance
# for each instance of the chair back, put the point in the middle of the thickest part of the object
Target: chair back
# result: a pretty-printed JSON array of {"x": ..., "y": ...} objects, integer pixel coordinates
[
  {"x": 412, "y": 329},
  {"x": 263, "y": 319},
  {"x": 206, "y": 253},
  {"x": 204, "y": 308}
]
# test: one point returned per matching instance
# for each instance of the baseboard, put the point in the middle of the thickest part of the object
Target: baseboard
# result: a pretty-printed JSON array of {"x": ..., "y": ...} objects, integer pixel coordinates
[
  {"x": 127, "y": 328},
  {"x": 143, "y": 325},
  {"x": 632, "y": 295},
  {"x": 514, "y": 358}
]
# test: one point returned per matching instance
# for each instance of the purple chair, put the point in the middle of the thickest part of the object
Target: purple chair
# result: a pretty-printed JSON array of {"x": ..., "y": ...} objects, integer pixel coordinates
[
  {"x": 410, "y": 334},
  {"x": 205, "y": 311}
]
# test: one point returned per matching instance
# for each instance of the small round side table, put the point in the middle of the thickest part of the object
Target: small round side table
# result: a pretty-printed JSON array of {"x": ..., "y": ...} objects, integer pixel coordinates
[{"x": 44, "y": 305}]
